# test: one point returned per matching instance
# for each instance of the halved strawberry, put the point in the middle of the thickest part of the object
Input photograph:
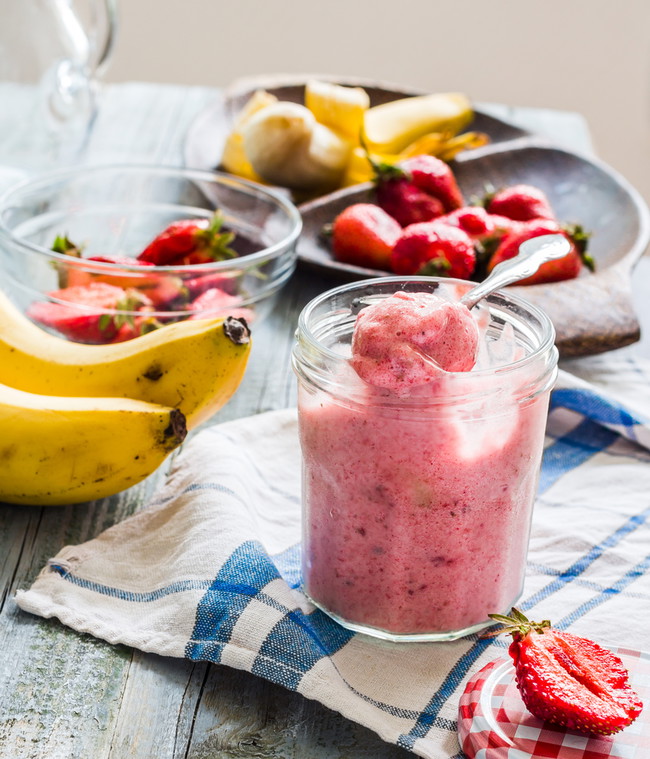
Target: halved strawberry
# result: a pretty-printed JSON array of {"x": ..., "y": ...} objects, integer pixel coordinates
[
  {"x": 569, "y": 680},
  {"x": 77, "y": 274},
  {"x": 84, "y": 313},
  {"x": 215, "y": 303},
  {"x": 202, "y": 282}
]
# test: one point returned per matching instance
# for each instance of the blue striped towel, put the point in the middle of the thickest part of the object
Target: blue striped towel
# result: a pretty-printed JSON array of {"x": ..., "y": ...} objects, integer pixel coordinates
[{"x": 210, "y": 570}]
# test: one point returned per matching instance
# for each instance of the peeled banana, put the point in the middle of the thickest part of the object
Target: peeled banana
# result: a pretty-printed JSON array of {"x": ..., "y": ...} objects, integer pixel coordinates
[
  {"x": 339, "y": 108},
  {"x": 56, "y": 450},
  {"x": 234, "y": 158},
  {"x": 286, "y": 146},
  {"x": 194, "y": 366}
]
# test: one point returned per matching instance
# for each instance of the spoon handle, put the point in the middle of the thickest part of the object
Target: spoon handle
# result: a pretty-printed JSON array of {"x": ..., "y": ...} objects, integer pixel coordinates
[{"x": 532, "y": 254}]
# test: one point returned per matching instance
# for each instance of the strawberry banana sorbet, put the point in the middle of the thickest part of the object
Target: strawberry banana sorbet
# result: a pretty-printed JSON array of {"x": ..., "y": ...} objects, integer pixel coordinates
[{"x": 419, "y": 482}]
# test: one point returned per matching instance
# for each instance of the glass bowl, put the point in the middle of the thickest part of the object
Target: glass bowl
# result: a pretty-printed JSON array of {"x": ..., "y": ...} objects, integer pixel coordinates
[{"x": 100, "y": 292}]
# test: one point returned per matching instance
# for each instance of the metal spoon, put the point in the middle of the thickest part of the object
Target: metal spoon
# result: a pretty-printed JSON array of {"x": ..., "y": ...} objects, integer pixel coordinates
[{"x": 532, "y": 254}]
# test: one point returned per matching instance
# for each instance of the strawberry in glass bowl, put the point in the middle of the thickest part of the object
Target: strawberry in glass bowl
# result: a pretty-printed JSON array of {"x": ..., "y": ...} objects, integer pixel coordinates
[{"x": 104, "y": 254}]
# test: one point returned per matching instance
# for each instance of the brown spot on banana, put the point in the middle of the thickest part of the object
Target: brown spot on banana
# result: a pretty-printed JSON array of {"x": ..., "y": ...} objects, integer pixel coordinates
[
  {"x": 8, "y": 452},
  {"x": 153, "y": 373},
  {"x": 175, "y": 432}
]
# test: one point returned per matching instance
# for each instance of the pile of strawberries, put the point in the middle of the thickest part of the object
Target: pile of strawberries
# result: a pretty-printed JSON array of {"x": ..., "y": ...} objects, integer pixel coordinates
[
  {"x": 420, "y": 224},
  {"x": 96, "y": 307}
]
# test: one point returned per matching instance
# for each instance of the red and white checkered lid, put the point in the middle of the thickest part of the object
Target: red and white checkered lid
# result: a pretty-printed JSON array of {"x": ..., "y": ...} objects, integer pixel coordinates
[{"x": 493, "y": 722}]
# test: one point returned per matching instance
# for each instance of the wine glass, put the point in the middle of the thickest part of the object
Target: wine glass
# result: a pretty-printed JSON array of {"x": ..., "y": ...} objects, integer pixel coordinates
[{"x": 52, "y": 53}]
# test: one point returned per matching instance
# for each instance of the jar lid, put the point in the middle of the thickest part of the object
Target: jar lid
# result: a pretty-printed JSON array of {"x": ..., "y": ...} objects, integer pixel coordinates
[{"x": 493, "y": 722}]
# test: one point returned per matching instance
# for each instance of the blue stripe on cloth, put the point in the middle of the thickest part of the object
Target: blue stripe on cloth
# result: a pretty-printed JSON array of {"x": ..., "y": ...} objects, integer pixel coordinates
[
  {"x": 128, "y": 595},
  {"x": 288, "y": 564},
  {"x": 618, "y": 587},
  {"x": 573, "y": 449},
  {"x": 579, "y": 566},
  {"x": 430, "y": 714},
  {"x": 241, "y": 578},
  {"x": 594, "y": 406},
  {"x": 294, "y": 644}
]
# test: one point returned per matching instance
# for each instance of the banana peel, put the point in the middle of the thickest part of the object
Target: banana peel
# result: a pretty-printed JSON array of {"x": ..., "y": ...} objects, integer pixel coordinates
[
  {"x": 440, "y": 144},
  {"x": 391, "y": 127}
]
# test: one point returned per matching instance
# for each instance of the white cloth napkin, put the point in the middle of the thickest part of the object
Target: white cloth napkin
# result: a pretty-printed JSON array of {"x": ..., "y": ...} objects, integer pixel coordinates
[{"x": 210, "y": 570}]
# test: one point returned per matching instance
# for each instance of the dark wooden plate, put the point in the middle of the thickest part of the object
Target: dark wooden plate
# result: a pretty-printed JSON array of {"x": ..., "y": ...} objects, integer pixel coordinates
[{"x": 591, "y": 314}]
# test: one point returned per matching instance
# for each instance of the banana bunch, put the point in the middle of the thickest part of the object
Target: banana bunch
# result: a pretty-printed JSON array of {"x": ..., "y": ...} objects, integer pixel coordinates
[
  {"x": 324, "y": 144},
  {"x": 80, "y": 422}
]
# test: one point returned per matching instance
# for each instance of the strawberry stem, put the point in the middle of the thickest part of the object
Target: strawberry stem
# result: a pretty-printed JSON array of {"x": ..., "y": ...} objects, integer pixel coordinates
[
  {"x": 517, "y": 624},
  {"x": 580, "y": 239},
  {"x": 383, "y": 170},
  {"x": 64, "y": 245},
  {"x": 214, "y": 241}
]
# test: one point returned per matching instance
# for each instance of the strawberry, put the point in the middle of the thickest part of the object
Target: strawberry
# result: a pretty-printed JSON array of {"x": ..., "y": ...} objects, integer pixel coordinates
[
  {"x": 567, "y": 267},
  {"x": 79, "y": 312},
  {"x": 202, "y": 282},
  {"x": 190, "y": 241},
  {"x": 165, "y": 291},
  {"x": 77, "y": 275},
  {"x": 364, "y": 234},
  {"x": 486, "y": 231},
  {"x": 569, "y": 680},
  {"x": 521, "y": 202},
  {"x": 214, "y": 303},
  {"x": 477, "y": 222},
  {"x": 434, "y": 249},
  {"x": 420, "y": 188},
  {"x": 405, "y": 202},
  {"x": 436, "y": 178},
  {"x": 140, "y": 325}
]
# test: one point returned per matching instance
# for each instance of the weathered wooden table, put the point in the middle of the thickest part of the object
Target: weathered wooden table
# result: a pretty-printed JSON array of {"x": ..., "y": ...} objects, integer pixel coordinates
[{"x": 63, "y": 694}]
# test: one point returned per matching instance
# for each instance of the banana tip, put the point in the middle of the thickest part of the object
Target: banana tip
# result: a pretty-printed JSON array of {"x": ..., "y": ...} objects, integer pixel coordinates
[
  {"x": 236, "y": 329},
  {"x": 177, "y": 429}
]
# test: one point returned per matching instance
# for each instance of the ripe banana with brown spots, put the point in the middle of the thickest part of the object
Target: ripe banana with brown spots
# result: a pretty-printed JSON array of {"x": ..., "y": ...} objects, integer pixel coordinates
[
  {"x": 194, "y": 366},
  {"x": 56, "y": 450}
]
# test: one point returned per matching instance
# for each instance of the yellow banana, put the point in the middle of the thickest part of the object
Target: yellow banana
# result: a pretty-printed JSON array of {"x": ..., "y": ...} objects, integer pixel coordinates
[
  {"x": 56, "y": 450},
  {"x": 194, "y": 366}
]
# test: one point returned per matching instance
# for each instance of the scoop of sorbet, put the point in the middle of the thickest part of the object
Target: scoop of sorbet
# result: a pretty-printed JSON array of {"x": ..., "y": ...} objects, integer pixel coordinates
[{"x": 410, "y": 339}]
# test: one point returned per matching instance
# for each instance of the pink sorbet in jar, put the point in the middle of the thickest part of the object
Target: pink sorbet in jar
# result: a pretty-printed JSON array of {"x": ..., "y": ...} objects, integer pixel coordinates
[{"x": 420, "y": 471}]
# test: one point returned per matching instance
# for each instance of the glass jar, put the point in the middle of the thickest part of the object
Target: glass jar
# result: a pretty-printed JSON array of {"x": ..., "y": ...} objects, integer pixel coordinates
[{"x": 417, "y": 508}]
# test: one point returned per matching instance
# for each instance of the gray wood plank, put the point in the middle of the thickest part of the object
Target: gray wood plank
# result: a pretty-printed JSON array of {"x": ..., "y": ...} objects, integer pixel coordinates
[{"x": 241, "y": 716}]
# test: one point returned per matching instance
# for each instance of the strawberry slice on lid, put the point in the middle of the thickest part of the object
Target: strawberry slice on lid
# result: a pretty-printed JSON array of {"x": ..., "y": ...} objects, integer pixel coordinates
[{"x": 569, "y": 680}]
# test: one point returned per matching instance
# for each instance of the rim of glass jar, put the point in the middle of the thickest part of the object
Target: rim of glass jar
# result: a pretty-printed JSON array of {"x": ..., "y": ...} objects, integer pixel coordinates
[
  {"x": 42, "y": 182},
  {"x": 546, "y": 346}
]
